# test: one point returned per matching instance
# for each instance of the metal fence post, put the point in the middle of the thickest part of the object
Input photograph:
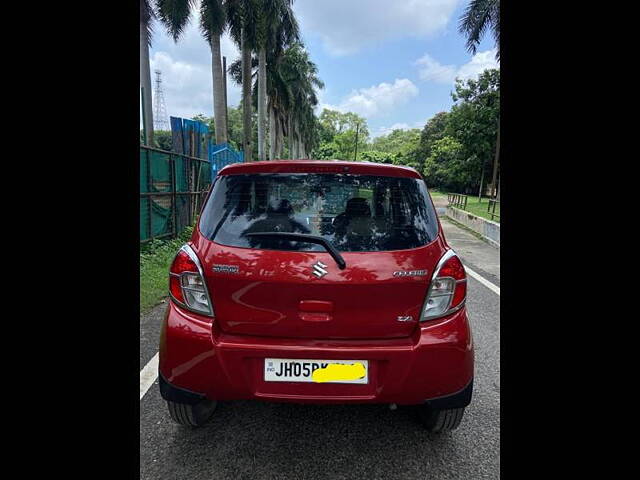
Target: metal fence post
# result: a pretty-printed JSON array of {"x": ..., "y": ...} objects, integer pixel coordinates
[
  {"x": 149, "y": 198},
  {"x": 172, "y": 164}
]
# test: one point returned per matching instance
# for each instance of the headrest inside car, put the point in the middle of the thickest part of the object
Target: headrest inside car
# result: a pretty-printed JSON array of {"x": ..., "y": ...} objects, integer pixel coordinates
[{"x": 358, "y": 207}]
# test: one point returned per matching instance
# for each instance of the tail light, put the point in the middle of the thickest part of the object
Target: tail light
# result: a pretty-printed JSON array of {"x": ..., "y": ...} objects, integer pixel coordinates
[
  {"x": 186, "y": 282},
  {"x": 448, "y": 288}
]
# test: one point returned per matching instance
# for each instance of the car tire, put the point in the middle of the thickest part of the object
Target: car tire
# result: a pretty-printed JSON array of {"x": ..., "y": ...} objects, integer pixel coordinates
[
  {"x": 192, "y": 415},
  {"x": 437, "y": 421}
]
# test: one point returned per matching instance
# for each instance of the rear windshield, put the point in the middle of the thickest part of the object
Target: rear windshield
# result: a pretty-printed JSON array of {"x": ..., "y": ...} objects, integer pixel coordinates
[{"x": 355, "y": 213}]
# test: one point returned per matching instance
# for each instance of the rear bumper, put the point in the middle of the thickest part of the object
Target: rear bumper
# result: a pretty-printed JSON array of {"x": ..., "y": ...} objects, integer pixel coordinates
[{"x": 434, "y": 365}]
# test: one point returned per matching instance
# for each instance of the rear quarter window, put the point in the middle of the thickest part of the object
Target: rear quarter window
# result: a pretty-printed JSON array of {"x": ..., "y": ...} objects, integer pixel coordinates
[{"x": 355, "y": 213}]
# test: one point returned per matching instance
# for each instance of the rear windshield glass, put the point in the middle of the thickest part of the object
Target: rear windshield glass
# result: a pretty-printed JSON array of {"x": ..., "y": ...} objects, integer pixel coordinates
[{"x": 354, "y": 212}]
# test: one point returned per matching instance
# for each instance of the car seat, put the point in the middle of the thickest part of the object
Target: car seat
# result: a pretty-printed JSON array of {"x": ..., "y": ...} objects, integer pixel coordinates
[{"x": 357, "y": 213}]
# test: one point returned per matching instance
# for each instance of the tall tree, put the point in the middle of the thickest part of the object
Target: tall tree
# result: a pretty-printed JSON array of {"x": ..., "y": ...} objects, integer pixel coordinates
[
  {"x": 474, "y": 119},
  {"x": 433, "y": 130},
  {"x": 238, "y": 76},
  {"x": 297, "y": 78},
  {"x": 175, "y": 15},
  {"x": 336, "y": 132},
  {"x": 479, "y": 16},
  {"x": 271, "y": 16},
  {"x": 212, "y": 25},
  {"x": 146, "y": 30},
  {"x": 241, "y": 15}
]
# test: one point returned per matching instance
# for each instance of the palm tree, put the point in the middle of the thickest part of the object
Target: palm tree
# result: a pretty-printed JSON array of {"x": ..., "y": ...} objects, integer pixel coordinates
[
  {"x": 278, "y": 91},
  {"x": 175, "y": 14},
  {"x": 291, "y": 83},
  {"x": 291, "y": 80},
  {"x": 272, "y": 16},
  {"x": 477, "y": 18},
  {"x": 240, "y": 16},
  {"x": 146, "y": 30},
  {"x": 300, "y": 74}
]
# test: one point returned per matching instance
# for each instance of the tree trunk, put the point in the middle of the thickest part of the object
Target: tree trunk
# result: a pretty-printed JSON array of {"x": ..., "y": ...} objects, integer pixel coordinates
[
  {"x": 219, "y": 106},
  {"x": 145, "y": 83},
  {"x": 272, "y": 133},
  {"x": 226, "y": 103},
  {"x": 262, "y": 102},
  {"x": 247, "y": 128},
  {"x": 294, "y": 136},
  {"x": 290, "y": 135},
  {"x": 300, "y": 146},
  {"x": 279, "y": 137},
  {"x": 481, "y": 181},
  {"x": 495, "y": 164}
]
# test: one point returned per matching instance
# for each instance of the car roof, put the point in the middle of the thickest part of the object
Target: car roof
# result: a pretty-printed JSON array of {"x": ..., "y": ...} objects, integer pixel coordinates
[{"x": 320, "y": 166}]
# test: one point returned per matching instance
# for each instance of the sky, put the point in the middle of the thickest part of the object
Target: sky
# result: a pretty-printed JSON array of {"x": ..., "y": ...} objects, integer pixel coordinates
[{"x": 392, "y": 62}]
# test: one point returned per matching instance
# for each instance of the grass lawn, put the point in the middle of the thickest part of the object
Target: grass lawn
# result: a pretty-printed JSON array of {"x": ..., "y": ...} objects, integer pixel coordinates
[
  {"x": 480, "y": 208},
  {"x": 155, "y": 260}
]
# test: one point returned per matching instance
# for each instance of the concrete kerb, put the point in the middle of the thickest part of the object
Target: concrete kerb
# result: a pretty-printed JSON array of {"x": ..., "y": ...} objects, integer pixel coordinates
[{"x": 487, "y": 229}]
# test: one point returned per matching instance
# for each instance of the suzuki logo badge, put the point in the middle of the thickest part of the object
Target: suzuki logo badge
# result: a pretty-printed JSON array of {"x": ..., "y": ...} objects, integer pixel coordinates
[{"x": 319, "y": 269}]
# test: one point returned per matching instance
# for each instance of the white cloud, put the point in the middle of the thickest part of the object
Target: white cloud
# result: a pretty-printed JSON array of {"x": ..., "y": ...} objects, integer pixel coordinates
[
  {"x": 478, "y": 64},
  {"x": 397, "y": 126},
  {"x": 433, "y": 71},
  {"x": 387, "y": 130},
  {"x": 346, "y": 26},
  {"x": 187, "y": 87},
  {"x": 186, "y": 70},
  {"x": 378, "y": 99}
]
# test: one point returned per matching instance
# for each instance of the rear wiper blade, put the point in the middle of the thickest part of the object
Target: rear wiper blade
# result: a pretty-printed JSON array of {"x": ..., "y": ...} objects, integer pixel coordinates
[{"x": 303, "y": 237}]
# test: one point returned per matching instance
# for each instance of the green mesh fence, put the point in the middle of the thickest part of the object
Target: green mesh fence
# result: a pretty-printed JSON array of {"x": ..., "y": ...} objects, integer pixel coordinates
[{"x": 172, "y": 187}]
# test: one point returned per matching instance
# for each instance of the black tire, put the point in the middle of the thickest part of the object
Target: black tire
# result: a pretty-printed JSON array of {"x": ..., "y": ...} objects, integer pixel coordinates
[
  {"x": 192, "y": 415},
  {"x": 437, "y": 421}
]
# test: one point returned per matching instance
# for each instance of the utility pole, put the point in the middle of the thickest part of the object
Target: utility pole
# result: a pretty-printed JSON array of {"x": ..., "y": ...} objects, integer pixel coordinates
[{"x": 355, "y": 155}]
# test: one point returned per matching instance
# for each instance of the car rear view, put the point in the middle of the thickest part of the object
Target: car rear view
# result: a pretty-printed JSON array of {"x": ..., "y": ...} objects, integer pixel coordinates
[{"x": 320, "y": 282}]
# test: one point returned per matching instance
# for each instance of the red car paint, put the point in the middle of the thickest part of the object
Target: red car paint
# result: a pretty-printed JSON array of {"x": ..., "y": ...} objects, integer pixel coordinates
[{"x": 274, "y": 308}]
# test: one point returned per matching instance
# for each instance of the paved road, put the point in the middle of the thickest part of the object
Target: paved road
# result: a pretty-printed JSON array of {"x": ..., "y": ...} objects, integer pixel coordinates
[{"x": 255, "y": 440}]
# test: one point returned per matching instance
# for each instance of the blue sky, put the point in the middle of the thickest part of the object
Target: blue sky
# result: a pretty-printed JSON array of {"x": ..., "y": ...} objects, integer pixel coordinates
[{"x": 393, "y": 62}]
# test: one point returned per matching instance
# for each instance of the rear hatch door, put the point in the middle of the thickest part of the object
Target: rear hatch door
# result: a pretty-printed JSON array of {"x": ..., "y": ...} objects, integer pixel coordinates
[{"x": 384, "y": 227}]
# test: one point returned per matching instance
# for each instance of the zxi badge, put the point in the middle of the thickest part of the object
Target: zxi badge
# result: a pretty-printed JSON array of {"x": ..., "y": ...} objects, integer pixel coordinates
[{"x": 319, "y": 269}]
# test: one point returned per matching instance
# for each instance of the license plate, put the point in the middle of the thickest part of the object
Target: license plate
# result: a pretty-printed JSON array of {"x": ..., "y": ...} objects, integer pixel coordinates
[{"x": 297, "y": 370}]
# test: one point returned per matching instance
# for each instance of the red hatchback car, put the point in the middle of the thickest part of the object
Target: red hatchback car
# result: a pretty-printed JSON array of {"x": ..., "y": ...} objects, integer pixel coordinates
[{"x": 320, "y": 282}]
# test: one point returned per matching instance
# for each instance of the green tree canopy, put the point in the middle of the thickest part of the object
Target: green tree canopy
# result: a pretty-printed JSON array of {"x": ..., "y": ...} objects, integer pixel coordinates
[
  {"x": 473, "y": 121},
  {"x": 432, "y": 131},
  {"x": 337, "y": 134},
  {"x": 446, "y": 166}
]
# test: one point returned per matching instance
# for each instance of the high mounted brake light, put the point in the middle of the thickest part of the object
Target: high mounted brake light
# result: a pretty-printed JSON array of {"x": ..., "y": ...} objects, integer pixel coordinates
[
  {"x": 448, "y": 288},
  {"x": 186, "y": 282}
]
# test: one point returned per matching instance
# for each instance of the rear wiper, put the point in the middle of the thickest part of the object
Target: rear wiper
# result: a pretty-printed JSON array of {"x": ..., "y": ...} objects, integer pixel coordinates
[{"x": 303, "y": 237}]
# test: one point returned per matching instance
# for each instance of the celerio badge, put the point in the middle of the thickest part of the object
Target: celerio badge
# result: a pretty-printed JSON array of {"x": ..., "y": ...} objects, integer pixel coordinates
[
  {"x": 410, "y": 273},
  {"x": 226, "y": 268}
]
